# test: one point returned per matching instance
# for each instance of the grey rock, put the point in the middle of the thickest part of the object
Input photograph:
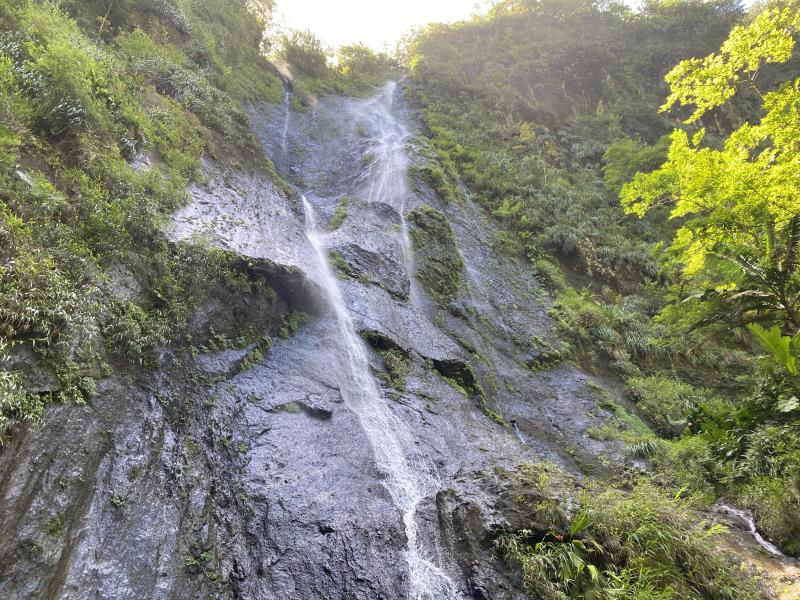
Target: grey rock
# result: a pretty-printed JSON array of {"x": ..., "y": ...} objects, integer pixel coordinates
[
  {"x": 205, "y": 481},
  {"x": 36, "y": 377}
]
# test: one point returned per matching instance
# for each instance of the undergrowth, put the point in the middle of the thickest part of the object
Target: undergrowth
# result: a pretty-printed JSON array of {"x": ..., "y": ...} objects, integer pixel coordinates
[{"x": 88, "y": 276}]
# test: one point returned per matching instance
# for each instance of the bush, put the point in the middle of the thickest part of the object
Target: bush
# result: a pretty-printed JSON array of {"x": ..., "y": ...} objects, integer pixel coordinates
[
  {"x": 619, "y": 333},
  {"x": 666, "y": 402},
  {"x": 305, "y": 53},
  {"x": 194, "y": 92},
  {"x": 688, "y": 464},
  {"x": 634, "y": 545}
]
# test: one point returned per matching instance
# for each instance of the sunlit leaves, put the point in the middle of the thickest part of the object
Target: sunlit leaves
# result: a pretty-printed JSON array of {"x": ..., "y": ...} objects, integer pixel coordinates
[
  {"x": 782, "y": 347},
  {"x": 738, "y": 204},
  {"x": 710, "y": 82}
]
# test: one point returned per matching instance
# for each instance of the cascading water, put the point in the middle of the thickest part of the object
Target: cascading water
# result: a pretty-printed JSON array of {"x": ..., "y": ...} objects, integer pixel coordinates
[
  {"x": 386, "y": 174},
  {"x": 746, "y": 519},
  {"x": 408, "y": 477},
  {"x": 287, "y": 105}
]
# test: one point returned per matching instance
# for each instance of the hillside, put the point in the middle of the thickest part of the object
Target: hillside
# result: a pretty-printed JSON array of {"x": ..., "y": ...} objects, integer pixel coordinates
[{"x": 510, "y": 314}]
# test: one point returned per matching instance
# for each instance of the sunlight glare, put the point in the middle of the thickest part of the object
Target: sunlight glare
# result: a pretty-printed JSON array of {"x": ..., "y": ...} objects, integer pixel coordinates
[{"x": 377, "y": 24}]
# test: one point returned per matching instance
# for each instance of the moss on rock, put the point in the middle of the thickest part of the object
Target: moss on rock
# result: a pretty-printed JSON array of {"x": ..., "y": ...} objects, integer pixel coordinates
[
  {"x": 396, "y": 360},
  {"x": 439, "y": 263}
]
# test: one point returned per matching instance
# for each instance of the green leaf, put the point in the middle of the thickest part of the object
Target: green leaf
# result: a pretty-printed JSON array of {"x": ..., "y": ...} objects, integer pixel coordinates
[
  {"x": 594, "y": 573},
  {"x": 579, "y": 523},
  {"x": 779, "y": 345}
]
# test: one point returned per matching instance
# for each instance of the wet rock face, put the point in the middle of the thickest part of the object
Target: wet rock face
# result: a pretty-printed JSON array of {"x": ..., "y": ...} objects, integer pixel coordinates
[
  {"x": 75, "y": 514},
  {"x": 367, "y": 241},
  {"x": 439, "y": 263},
  {"x": 241, "y": 473}
]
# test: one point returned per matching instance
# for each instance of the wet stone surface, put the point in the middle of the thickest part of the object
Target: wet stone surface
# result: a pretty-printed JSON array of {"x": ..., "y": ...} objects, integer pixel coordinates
[{"x": 204, "y": 480}]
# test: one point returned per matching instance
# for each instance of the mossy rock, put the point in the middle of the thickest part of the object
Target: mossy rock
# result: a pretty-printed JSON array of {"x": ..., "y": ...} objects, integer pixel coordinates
[
  {"x": 396, "y": 359},
  {"x": 439, "y": 263},
  {"x": 460, "y": 376}
]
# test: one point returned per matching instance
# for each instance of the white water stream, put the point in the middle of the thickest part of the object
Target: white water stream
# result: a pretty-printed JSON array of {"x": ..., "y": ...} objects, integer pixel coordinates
[
  {"x": 287, "y": 106},
  {"x": 386, "y": 173},
  {"x": 408, "y": 476},
  {"x": 746, "y": 519}
]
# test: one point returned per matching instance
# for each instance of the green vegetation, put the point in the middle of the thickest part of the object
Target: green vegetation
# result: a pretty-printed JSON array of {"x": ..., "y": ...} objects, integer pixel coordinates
[
  {"x": 55, "y": 524},
  {"x": 547, "y": 111},
  {"x": 437, "y": 170},
  {"x": 88, "y": 277},
  {"x": 738, "y": 203},
  {"x": 396, "y": 360},
  {"x": 340, "y": 214},
  {"x": 340, "y": 266},
  {"x": 739, "y": 214},
  {"x": 257, "y": 354},
  {"x": 523, "y": 103},
  {"x": 642, "y": 544},
  {"x": 439, "y": 262},
  {"x": 289, "y": 407},
  {"x": 307, "y": 62},
  {"x": 666, "y": 402},
  {"x": 292, "y": 322}
]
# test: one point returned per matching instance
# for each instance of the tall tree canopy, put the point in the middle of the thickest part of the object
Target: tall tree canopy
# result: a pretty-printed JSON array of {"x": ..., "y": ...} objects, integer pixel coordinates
[{"x": 739, "y": 203}]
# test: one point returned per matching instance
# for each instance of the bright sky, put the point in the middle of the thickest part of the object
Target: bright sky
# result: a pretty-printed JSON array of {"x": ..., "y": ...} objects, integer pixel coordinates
[
  {"x": 377, "y": 23},
  {"x": 373, "y": 22}
]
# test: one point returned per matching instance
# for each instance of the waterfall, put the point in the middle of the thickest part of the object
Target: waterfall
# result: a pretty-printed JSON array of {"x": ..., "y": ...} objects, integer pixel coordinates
[
  {"x": 386, "y": 174},
  {"x": 287, "y": 105},
  {"x": 408, "y": 477},
  {"x": 746, "y": 519}
]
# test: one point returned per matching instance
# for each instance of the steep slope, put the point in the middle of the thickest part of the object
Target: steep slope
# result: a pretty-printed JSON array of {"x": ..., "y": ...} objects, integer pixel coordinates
[
  {"x": 452, "y": 379},
  {"x": 363, "y": 392},
  {"x": 544, "y": 110},
  {"x": 248, "y": 473}
]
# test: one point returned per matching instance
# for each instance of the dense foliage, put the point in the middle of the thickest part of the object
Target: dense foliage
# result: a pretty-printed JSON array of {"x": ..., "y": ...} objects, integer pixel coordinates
[
  {"x": 546, "y": 111},
  {"x": 642, "y": 545},
  {"x": 88, "y": 277},
  {"x": 739, "y": 208},
  {"x": 314, "y": 69},
  {"x": 523, "y": 103},
  {"x": 739, "y": 205}
]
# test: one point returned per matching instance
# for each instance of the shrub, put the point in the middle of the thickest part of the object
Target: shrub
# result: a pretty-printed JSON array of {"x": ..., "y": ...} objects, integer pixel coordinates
[
  {"x": 666, "y": 402},
  {"x": 642, "y": 544},
  {"x": 620, "y": 332},
  {"x": 305, "y": 52},
  {"x": 194, "y": 92},
  {"x": 688, "y": 464}
]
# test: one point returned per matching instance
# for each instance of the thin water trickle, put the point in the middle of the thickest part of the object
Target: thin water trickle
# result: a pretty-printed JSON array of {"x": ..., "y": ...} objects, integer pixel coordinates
[
  {"x": 287, "y": 105},
  {"x": 408, "y": 476},
  {"x": 388, "y": 168},
  {"x": 746, "y": 519}
]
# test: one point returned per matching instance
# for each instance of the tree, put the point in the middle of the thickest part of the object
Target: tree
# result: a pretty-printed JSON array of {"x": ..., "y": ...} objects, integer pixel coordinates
[
  {"x": 739, "y": 204},
  {"x": 306, "y": 53},
  {"x": 359, "y": 59}
]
